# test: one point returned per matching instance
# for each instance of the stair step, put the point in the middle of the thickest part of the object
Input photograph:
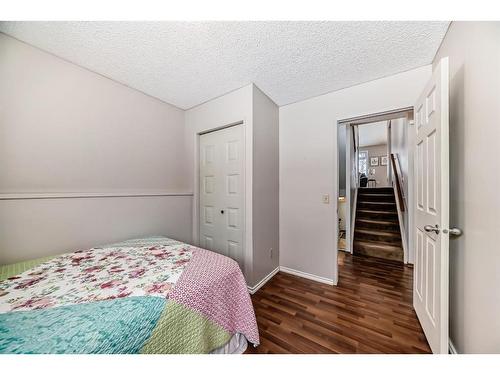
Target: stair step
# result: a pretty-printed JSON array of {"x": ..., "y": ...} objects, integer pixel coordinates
[
  {"x": 378, "y": 250},
  {"x": 377, "y": 205},
  {"x": 372, "y": 214},
  {"x": 372, "y": 201},
  {"x": 375, "y": 192},
  {"x": 381, "y": 236},
  {"x": 377, "y": 197},
  {"x": 372, "y": 223},
  {"x": 381, "y": 190},
  {"x": 376, "y": 231},
  {"x": 380, "y": 211}
]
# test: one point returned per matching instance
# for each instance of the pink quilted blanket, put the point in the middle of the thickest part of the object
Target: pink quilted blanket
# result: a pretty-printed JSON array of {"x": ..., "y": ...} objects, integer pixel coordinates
[{"x": 213, "y": 286}]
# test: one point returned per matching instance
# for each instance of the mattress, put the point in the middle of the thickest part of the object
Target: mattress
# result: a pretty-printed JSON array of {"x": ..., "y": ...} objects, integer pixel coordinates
[
  {"x": 151, "y": 295},
  {"x": 236, "y": 345}
]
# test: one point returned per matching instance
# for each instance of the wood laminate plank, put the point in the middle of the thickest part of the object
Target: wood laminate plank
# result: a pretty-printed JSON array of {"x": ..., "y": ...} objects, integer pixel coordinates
[{"x": 369, "y": 311}]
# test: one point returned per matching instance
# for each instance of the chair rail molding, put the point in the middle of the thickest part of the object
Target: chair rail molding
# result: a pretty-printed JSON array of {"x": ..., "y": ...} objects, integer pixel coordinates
[{"x": 109, "y": 194}]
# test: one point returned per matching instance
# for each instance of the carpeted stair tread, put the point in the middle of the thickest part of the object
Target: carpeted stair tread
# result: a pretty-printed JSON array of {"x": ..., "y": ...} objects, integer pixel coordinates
[{"x": 376, "y": 231}]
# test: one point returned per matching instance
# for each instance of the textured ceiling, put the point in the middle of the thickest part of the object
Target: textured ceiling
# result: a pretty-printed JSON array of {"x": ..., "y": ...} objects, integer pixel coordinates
[
  {"x": 187, "y": 63},
  {"x": 373, "y": 134}
]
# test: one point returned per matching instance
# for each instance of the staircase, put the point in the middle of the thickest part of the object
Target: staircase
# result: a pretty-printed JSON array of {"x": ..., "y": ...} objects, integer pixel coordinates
[{"x": 376, "y": 232}]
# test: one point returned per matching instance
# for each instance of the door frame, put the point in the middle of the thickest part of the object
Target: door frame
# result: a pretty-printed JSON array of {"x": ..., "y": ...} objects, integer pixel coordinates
[
  {"x": 347, "y": 166},
  {"x": 350, "y": 135},
  {"x": 366, "y": 119},
  {"x": 410, "y": 139},
  {"x": 196, "y": 192}
]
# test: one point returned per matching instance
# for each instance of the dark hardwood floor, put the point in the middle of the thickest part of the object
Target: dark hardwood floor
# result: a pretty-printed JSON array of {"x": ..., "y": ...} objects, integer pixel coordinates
[{"x": 369, "y": 311}]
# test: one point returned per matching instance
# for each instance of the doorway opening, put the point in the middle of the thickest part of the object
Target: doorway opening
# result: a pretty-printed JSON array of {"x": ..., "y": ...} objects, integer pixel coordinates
[
  {"x": 422, "y": 199},
  {"x": 375, "y": 177}
]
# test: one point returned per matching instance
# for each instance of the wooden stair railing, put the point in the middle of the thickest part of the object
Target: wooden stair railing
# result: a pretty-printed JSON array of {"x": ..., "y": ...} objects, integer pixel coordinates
[{"x": 396, "y": 168}]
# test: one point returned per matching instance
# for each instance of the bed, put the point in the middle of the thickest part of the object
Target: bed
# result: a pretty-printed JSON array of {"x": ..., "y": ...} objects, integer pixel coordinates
[{"x": 150, "y": 295}]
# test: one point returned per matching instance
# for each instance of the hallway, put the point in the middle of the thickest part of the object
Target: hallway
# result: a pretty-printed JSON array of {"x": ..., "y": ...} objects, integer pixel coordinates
[{"x": 370, "y": 311}]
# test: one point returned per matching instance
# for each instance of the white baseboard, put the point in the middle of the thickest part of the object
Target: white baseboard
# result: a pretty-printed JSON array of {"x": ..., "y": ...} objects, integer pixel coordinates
[
  {"x": 306, "y": 275},
  {"x": 451, "y": 347},
  {"x": 291, "y": 271},
  {"x": 261, "y": 283}
]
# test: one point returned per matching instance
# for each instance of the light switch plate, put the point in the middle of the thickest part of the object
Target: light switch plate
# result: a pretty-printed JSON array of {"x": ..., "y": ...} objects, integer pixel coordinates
[{"x": 326, "y": 198}]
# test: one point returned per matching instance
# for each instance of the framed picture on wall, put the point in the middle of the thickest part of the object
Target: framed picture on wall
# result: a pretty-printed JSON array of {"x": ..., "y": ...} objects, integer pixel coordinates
[
  {"x": 383, "y": 160},
  {"x": 374, "y": 161}
]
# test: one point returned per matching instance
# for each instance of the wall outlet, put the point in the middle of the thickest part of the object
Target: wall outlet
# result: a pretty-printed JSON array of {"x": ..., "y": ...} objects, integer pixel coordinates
[
  {"x": 326, "y": 198},
  {"x": 271, "y": 253}
]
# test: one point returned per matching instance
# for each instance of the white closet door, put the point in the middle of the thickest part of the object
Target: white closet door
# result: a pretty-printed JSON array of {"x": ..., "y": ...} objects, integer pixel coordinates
[{"x": 222, "y": 192}]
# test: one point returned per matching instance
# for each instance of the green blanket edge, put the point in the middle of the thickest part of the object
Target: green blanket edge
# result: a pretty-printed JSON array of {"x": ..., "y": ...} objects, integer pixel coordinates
[{"x": 10, "y": 270}]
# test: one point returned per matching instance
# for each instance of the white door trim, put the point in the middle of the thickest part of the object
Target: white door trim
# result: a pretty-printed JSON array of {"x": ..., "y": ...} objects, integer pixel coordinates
[
  {"x": 363, "y": 119},
  {"x": 348, "y": 151},
  {"x": 411, "y": 189}
]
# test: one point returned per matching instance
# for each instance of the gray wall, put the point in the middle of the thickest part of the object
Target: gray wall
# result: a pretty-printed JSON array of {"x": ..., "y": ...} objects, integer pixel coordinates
[
  {"x": 66, "y": 130},
  {"x": 380, "y": 174},
  {"x": 473, "y": 49},
  {"x": 265, "y": 185},
  {"x": 35, "y": 228}
]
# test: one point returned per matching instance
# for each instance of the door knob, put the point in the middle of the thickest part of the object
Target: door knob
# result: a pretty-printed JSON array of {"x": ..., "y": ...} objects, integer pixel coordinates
[
  {"x": 453, "y": 231},
  {"x": 430, "y": 228},
  {"x": 222, "y": 211}
]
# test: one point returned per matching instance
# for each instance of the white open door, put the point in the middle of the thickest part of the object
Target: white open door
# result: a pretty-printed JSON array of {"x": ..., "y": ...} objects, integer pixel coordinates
[{"x": 430, "y": 288}]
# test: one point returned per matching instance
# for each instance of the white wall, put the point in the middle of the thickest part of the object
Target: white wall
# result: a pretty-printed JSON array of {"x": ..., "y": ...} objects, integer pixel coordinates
[
  {"x": 473, "y": 49},
  {"x": 64, "y": 129},
  {"x": 265, "y": 186},
  {"x": 308, "y": 165},
  {"x": 400, "y": 146}
]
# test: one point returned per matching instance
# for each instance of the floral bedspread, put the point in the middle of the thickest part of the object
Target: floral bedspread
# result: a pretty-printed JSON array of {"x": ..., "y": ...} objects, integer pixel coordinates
[{"x": 204, "y": 296}]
